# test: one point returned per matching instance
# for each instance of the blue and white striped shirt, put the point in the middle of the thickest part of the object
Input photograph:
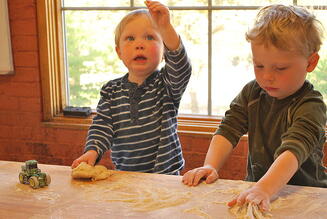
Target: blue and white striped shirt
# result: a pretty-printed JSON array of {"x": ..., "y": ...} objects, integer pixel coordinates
[{"x": 139, "y": 123}]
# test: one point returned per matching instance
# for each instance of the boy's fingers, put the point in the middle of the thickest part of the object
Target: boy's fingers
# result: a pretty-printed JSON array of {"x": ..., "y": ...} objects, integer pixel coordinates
[
  {"x": 213, "y": 176},
  {"x": 264, "y": 205},
  {"x": 188, "y": 178},
  {"x": 241, "y": 198},
  {"x": 198, "y": 176},
  {"x": 232, "y": 203},
  {"x": 252, "y": 198},
  {"x": 192, "y": 177},
  {"x": 205, "y": 174},
  {"x": 75, "y": 164}
]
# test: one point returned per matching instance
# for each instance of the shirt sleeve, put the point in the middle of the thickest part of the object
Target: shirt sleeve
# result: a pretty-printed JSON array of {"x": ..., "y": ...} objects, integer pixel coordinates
[
  {"x": 235, "y": 122},
  {"x": 100, "y": 133},
  {"x": 307, "y": 129},
  {"x": 176, "y": 72}
]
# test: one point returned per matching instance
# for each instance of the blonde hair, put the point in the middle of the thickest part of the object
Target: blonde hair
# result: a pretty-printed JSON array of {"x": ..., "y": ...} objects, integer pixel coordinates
[
  {"x": 289, "y": 28},
  {"x": 126, "y": 19}
]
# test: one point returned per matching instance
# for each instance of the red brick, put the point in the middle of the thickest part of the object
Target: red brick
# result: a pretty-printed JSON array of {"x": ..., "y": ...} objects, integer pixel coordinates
[
  {"x": 9, "y": 103},
  {"x": 14, "y": 147},
  {"x": 4, "y": 79},
  {"x": 193, "y": 160},
  {"x": 8, "y": 118},
  {"x": 26, "y": 74},
  {"x": 232, "y": 174},
  {"x": 21, "y": 89},
  {"x": 4, "y": 86},
  {"x": 24, "y": 43},
  {"x": 30, "y": 104},
  {"x": 235, "y": 166},
  {"x": 68, "y": 136},
  {"x": 21, "y": 13},
  {"x": 26, "y": 59},
  {"x": 6, "y": 132},
  {"x": 195, "y": 144},
  {"x": 25, "y": 133},
  {"x": 71, "y": 151},
  {"x": 241, "y": 148},
  {"x": 41, "y": 134},
  {"x": 3, "y": 150},
  {"x": 49, "y": 160},
  {"x": 28, "y": 119},
  {"x": 23, "y": 27},
  {"x": 19, "y": 4}
]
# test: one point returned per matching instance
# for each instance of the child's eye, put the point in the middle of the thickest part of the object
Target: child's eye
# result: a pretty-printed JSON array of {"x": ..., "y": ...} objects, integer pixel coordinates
[
  {"x": 129, "y": 38},
  {"x": 149, "y": 37},
  {"x": 281, "y": 68},
  {"x": 258, "y": 66}
]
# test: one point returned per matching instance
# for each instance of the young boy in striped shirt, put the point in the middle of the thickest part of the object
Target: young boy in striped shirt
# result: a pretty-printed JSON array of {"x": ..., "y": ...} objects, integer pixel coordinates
[{"x": 137, "y": 114}]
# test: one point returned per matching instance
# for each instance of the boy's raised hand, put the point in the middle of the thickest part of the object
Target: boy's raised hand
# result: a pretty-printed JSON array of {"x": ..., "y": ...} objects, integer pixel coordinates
[
  {"x": 161, "y": 18},
  {"x": 193, "y": 177},
  {"x": 159, "y": 13}
]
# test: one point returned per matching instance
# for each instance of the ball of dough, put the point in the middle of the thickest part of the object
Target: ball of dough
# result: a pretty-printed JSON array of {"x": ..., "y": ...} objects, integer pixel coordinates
[{"x": 86, "y": 171}]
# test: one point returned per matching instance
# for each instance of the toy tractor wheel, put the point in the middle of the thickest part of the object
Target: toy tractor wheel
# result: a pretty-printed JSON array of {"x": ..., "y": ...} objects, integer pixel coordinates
[
  {"x": 21, "y": 178},
  {"x": 47, "y": 179},
  {"x": 34, "y": 182}
]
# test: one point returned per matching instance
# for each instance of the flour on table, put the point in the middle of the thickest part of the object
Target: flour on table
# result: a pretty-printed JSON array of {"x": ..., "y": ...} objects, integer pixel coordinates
[
  {"x": 141, "y": 197},
  {"x": 198, "y": 211},
  {"x": 86, "y": 171},
  {"x": 249, "y": 211}
]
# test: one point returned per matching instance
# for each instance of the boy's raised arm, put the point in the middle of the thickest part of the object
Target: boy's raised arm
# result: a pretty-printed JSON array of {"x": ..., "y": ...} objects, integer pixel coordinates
[{"x": 161, "y": 16}]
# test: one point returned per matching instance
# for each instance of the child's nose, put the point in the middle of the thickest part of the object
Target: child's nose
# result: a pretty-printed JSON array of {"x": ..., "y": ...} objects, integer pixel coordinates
[
  {"x": 139, "y": 44},
  {"x": 139, "y": 47},
  {"x": 269, "y": 76}
]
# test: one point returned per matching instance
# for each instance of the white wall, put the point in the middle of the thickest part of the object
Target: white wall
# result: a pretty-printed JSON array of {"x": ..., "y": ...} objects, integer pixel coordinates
[{"x": 6, "y": 63}]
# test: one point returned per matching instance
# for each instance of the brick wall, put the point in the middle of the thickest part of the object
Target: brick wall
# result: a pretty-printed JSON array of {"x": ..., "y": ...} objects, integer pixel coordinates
[{"x": 22, "y": 135}]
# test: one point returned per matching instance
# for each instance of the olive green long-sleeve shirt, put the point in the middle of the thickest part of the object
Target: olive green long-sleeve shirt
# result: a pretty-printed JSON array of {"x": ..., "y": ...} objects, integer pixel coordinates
[{"x": 295, "y": 123}]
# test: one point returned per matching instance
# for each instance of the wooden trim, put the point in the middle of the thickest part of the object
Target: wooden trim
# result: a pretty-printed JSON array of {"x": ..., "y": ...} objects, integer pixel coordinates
[
  {"x": 187, "y": 125},
  {"x": 6, "y": 55},
  {"x": 51, "y": 57}
]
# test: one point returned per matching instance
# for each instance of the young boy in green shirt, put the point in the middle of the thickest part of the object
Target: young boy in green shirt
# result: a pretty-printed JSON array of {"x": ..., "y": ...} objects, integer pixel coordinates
[{"x": 283, "y": 115}]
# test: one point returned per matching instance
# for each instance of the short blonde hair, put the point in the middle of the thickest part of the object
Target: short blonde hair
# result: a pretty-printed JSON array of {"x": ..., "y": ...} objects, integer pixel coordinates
[
  {"x": 289, "y": 28},
  {"x": 126, "y": 19}
]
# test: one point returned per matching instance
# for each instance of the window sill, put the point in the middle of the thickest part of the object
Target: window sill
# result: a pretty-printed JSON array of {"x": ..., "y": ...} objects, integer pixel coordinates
[
  {"x": 202, "y": 126},
  {"x": 187, "y": 125}
]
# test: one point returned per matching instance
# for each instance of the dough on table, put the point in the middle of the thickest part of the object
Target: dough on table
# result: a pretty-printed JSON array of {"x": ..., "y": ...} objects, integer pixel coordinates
[
  {"x": 86, "y": 171},
  {"x": 249, "y": 211}
]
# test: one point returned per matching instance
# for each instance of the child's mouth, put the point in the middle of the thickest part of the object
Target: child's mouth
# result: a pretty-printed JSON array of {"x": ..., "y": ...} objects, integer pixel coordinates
[{"x": 140, "y": 58}]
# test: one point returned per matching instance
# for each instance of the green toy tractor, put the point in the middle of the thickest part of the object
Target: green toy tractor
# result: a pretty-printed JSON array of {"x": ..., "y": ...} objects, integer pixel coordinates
[{"x": 33, "y": 176}]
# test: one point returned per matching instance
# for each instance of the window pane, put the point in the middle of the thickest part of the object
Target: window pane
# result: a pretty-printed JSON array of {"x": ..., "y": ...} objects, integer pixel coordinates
[
  {"x": 193, "y": 28},
  {"x": 177, "y": 3},
  {"x": 231, "y": 60},
  {"x": 319, "y": 77},
  {"x": 312, "y": 2},
  {"x": 96, "y": 3},
  {"x": 91, "y": 55},
  {"x": 92, "y": 60},
  {"x": 249, "y": 2}
]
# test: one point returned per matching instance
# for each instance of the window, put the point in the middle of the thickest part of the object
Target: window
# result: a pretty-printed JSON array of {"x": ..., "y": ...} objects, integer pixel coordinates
[{"x": 78, "y": 37}]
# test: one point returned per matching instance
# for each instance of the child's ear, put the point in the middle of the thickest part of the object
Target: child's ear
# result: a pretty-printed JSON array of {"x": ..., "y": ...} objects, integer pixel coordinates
[
  {"x": 312, "y": 62},
  {"x": 118, "y": 51}
]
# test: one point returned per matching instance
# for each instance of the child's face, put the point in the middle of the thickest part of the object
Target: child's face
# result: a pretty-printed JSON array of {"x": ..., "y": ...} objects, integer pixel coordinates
[
  {"x": 280, "y": 73},
  {"x": 140, "y": 48}
]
